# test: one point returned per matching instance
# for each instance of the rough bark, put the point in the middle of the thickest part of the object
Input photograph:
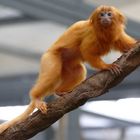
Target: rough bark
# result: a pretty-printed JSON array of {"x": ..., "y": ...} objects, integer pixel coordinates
[{"x": 94, "y": 86}]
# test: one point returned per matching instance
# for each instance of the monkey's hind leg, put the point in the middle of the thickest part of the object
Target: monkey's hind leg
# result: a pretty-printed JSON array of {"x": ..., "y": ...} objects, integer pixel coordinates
[
  {"x": 48, "y": 79},
  {"x": 72, "y": 76}
]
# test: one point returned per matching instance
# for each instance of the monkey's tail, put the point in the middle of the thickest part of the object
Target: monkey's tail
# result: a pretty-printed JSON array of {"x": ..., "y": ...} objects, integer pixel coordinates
[{"x": 20, "y": 118}]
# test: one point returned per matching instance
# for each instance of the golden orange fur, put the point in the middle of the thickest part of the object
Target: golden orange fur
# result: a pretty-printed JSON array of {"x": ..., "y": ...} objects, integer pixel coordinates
[{"x": 62, "y": 66}]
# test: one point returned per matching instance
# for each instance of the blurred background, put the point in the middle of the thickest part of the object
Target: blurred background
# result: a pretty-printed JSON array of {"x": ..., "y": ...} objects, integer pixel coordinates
[{"x": 27, "y": 29}]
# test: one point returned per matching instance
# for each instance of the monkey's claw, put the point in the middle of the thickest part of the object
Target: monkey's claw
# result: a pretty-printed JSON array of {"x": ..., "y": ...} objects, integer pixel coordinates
[
  {"x": 126, "y": 50},
  {"x": 3, "y": 127},
  {"x": 61, "y": 93},
  {"x": 41, "y": 106},
  {"x": 115, "y": 69}
]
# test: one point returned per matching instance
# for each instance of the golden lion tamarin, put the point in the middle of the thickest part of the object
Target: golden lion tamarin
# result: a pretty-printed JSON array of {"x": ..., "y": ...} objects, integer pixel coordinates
[{"x": 62, "y": 65}]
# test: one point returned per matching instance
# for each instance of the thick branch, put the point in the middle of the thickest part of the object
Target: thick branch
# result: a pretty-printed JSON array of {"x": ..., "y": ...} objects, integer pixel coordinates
[{"x": 96, "y": 85}]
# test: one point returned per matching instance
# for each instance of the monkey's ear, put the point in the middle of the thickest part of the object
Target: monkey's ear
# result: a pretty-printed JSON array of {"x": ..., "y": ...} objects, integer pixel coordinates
[
  {"x": 121, "y": 18},
  {"x": 119, "y": 14},
  {"x": 92, "y": 17}
]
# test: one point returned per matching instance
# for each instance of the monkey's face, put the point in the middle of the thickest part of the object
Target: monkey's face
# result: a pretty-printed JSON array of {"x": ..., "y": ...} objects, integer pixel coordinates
[{"x": 107, "y": 16}]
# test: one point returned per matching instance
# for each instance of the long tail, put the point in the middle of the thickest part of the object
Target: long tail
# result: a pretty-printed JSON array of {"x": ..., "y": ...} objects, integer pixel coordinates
[{"x": 19, "y": 118}]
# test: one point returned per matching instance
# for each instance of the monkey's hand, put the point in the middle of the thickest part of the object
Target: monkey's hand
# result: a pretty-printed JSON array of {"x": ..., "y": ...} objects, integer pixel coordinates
[
  {"x": 61, "y": 93},
  {"x": 125, "y": 50},
  {"x": 113, "y": 68},
  {"x": 41, "y": 105}
]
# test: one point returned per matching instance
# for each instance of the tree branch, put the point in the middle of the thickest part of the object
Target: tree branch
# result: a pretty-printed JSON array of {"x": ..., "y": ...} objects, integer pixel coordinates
[{"x": 94, "y": 86}]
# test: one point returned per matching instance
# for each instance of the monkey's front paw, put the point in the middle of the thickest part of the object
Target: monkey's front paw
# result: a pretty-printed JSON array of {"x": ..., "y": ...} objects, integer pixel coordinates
[
  {"x": 126, "y": 50},
  {"x": 61, "y": 93},
  {"x": 114, "y": 69},
  {"x": 41, "y": 106},
  {"x": 1, "y": 130},
  {"x": 3, "y": 127}
]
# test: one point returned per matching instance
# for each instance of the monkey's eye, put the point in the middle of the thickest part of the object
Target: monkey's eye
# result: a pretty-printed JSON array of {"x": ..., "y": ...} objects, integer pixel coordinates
[
  {"x": 102, "y": 14},
  {"x": 109, "y": 14}
]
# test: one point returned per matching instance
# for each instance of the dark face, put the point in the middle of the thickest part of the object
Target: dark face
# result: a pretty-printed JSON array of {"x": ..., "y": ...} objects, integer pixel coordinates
[{"x": 105, "y": 18}]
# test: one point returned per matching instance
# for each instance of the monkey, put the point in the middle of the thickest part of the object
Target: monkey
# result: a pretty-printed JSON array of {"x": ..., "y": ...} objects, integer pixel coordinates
[{"x": 62, "y": 65}]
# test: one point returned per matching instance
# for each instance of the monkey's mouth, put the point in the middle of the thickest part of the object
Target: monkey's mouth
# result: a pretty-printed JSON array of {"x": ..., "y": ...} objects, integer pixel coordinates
[{"x": 105, "y": 22}]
